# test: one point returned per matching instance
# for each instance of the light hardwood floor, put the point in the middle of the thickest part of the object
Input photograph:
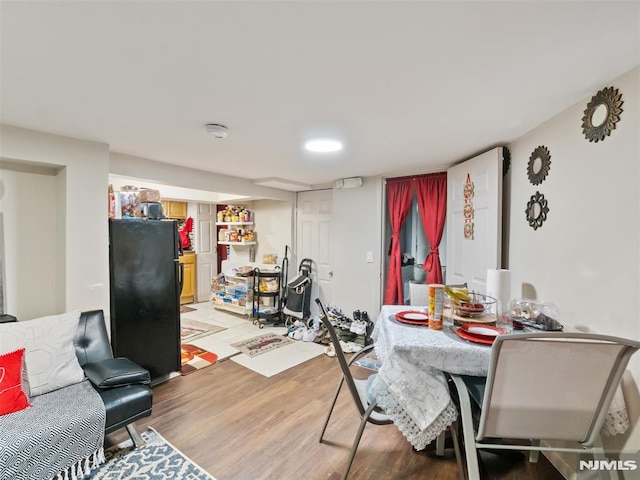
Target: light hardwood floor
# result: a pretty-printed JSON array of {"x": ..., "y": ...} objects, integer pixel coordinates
[{"x": 239, "y": 425}]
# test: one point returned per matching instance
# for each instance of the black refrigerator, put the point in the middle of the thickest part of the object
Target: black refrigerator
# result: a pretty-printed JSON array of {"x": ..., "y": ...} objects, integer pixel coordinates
[{"x": 145, "y": 284}]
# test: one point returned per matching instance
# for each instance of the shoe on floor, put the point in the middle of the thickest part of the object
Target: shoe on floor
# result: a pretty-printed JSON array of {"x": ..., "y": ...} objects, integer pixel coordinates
[
  {"x": 350, "y": 347},
  {"x": 309, "y": 335},
  {"x": 329, "y": 351},
  {"x": 358, "y": 327},
  {"x": 299, "y": 333}
]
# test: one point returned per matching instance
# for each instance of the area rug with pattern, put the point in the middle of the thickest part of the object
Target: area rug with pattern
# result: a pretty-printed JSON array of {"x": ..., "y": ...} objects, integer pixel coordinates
[
  {"x": 191, "y": 329},
  {"x": 157, "y": 459},
  {"x": 262, "y": 344},
  {"x": 194, "y": 358}
]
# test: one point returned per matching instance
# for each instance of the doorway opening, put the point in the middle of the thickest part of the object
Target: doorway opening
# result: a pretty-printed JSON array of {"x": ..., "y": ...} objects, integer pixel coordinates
[{"x": 414, "y": 245}]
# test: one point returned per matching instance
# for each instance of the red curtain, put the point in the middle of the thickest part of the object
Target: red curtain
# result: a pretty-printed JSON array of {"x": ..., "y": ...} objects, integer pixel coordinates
[
  {"x": 432, "y": 203},
  {"x": 399, "y": 197}
]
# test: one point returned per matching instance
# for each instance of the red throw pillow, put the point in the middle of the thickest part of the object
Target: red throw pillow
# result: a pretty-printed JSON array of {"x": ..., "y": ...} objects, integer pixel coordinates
[{"x": 12, "y": 397}]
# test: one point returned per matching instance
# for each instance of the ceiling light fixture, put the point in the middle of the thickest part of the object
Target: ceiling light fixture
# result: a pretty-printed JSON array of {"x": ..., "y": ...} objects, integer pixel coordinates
[
  {"x": 217, "y": 130},
  {"x": 323, "y": 145}
]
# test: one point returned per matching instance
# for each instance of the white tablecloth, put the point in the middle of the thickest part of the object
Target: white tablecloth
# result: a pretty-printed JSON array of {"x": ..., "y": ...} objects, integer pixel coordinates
[{"x": 411, "y": 386}]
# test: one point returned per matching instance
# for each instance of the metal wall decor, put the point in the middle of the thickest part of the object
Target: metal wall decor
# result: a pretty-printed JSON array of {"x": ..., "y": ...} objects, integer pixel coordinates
[
  {"x": 506, "y": 160},
  {"x": 468, "y": 212},
  {"x": 537, "y": 210},
  {"x": 602, "y": 114},
  {"x": 539, "y": 165}
]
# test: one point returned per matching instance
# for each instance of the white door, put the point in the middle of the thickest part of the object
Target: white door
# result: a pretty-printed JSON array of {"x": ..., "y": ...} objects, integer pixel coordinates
[
  {"x": 313, "y": 240},
  {"x": 206, "y": 259},
  {"x": 468, "y": 259}
]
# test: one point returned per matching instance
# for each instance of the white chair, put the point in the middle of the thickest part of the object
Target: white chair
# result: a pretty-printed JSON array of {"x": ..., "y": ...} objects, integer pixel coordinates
[
  {"x": 418, "y": 294},
  {"x": 543, "y": 386}
]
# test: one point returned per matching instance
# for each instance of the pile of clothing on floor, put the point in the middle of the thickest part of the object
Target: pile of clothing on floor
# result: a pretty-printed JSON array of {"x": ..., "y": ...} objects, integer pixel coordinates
[{"x": 354, "y": 333}]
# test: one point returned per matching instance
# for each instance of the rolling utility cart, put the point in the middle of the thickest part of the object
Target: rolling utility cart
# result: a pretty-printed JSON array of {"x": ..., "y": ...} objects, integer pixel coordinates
[
  {"x": 266, "y": 297},
  {"x": 298, "y": 296}
]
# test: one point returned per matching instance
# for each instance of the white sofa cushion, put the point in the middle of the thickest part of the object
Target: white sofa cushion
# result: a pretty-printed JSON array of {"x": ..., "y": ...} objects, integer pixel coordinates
[{"x": 50, "y": 356}]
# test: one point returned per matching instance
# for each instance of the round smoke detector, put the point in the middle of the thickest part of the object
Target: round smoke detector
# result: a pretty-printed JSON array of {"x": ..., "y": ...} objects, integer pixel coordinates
[{"x": 217, "y": 130}]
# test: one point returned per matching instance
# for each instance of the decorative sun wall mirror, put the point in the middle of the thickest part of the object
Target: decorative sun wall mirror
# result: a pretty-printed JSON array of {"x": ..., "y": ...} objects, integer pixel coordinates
[
  {"x": 539, "y": 165},
  {"x": 602, "y": 114},
  {"x": 506, "y": 160},
  {"x": 537, "y": 210}
]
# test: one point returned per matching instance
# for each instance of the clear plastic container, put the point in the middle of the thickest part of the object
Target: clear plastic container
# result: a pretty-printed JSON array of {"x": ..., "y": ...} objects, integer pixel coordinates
[
  {"x": 534, "y": 313},
  {"x": 130, "y": 201}
]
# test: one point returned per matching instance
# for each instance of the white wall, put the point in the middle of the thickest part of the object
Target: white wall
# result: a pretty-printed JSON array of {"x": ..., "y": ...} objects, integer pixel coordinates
[
  {"x": 30, "y": 271},
  {"x": 356, "y": 230},
  {"x": 274, "y": 222},
  {"x": 586, "y": 257},
  {"x": 80, "y": 264}
]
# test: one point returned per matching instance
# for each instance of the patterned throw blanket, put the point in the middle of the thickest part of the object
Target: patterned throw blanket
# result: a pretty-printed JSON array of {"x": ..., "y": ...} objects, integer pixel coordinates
[{"x": 60, "y": 437}]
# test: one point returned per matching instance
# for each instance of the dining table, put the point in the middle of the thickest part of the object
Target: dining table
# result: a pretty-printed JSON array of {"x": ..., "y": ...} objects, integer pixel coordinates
[{"x": 411, "y": 384}]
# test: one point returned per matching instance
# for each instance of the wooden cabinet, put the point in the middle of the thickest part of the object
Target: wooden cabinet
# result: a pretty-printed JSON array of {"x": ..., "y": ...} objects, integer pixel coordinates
[
  {"x": 189, "y": 277},
  {"x": 173, "y": 209}
]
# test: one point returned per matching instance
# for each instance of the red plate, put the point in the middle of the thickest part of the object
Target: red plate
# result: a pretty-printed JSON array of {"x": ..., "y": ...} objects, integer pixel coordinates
[
  {"x": 484, "y": 334},
  {"x": 488, "y": 332},
  {"x": 412, "y": 317}
]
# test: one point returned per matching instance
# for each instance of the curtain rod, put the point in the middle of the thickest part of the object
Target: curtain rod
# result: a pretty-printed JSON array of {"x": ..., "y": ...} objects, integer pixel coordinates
[{"x": 413, "y": 177}]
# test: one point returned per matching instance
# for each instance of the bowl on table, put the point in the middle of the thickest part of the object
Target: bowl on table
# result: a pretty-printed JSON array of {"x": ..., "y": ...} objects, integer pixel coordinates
[{"x": 478, "y": 305}]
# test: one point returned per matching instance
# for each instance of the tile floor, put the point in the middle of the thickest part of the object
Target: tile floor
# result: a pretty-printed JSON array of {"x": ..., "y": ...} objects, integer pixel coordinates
[{"x": 238, "y": 328}]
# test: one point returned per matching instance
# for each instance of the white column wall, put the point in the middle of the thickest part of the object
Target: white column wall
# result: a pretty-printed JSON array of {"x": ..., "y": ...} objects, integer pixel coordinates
[
  {"x": 32, "y": 281},
  {"x": 356, "y": 230},
  {"x": 81, "y": 268}
]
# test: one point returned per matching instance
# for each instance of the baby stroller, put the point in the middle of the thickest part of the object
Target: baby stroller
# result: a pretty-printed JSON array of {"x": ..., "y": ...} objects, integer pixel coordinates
[{"x": 298, "y": 294}]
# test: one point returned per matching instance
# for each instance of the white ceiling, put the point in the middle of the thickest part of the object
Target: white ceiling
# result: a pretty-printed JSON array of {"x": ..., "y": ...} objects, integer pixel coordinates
[{"x": 409, "y": 86}]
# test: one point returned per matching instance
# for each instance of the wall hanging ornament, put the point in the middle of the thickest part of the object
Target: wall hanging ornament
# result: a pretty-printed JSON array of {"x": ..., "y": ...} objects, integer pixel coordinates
[
  {"x": 602, "y": 114},
  {"x": 539, "y": 165},
  {"x": 506, "y": 160},
  {"x": 468, "y": 208},
  {"x": 537, "y": 210}
]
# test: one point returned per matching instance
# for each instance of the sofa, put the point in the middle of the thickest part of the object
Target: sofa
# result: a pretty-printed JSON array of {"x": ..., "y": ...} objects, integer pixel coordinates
[{"x": 61, "y": 391}]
